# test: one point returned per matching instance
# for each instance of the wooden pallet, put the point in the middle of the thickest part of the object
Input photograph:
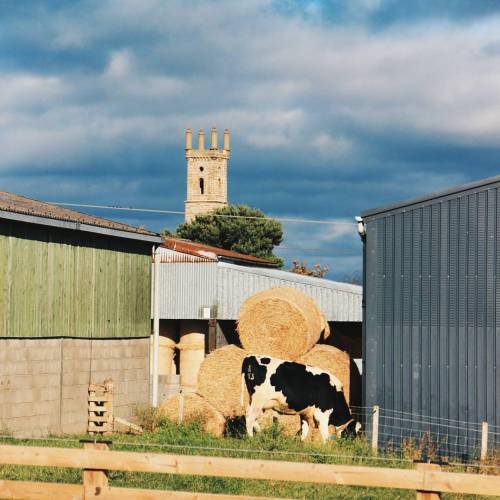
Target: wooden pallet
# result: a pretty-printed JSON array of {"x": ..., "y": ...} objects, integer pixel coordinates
[{"x": 100, "y": 408}]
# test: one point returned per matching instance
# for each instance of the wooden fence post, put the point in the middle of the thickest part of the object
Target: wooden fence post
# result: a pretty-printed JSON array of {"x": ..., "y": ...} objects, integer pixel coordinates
[
  {"x": 95, "y": 481},
  {"x": 484, "y": 441},
  {"x": 425, "y": 494},
  {"x": 375, "y": 429},
  {"x": 181, "y": 406}
]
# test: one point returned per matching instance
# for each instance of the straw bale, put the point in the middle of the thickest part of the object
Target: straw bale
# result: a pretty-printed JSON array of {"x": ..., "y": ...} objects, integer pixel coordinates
[
  {"x": 196, "y": 409},
  {"x": 192, "y": 353},
  {"x": 290, "y": 424},
  {"x": 219, "y": 380},
  {"x": 325, "y": 327},
  {"x": 192, "y": 340},
  {"x": 333, "y": 360},
  {"x": 280, "y": 322}
]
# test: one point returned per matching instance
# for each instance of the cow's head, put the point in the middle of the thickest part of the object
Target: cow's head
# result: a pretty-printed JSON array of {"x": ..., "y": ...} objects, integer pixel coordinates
[{"x": 351, "y": 430}]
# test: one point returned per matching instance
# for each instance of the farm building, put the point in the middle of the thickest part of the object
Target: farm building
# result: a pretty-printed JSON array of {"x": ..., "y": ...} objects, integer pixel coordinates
[
  {"x": 431, "y": 322},
  {"x": 202, "y": 289},
  {"x": 74, "y": 309}
]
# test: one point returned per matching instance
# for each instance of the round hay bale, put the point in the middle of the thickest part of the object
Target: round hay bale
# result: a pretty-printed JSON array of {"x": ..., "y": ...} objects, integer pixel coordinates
[
  {"x": 325, "y": 327},
  {"x": 219, "y": 380},
  {"x": 290, "y": 424},
  {"x": 192, "y": 354},
  {"x": 166, "y": 354},
  {"x": 280, "y": 322},
  {"x": 194, "y": 409},
  {"x": 333, "y": 360}
]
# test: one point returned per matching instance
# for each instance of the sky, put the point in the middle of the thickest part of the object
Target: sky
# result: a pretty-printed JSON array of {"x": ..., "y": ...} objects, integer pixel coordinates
[{"x": 334, "y": 106}]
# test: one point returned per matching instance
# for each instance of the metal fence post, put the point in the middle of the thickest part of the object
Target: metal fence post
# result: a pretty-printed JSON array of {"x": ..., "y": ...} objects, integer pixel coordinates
[
  {"x": 484, "y": 441},
  {"x": 375, "y": 429},
  {"x": 95, "y": 481}
]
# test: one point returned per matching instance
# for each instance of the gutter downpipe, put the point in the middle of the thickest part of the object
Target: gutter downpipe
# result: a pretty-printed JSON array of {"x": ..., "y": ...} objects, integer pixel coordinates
[
  {"x": 156, "y": 324},
  {"x": 362, "y": 234}
]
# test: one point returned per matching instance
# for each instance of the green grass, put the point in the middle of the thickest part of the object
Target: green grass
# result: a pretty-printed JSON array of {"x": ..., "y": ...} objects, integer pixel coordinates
[{"x": 190, "y": 439}]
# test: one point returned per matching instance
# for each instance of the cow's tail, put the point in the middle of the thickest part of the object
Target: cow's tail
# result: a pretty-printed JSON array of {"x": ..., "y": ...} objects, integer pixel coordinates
[{"x": 242, "y": 388}]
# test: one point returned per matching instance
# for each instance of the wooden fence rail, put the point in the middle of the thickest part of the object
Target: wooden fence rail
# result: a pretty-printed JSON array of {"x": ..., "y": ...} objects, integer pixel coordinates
[{"x": 96, "y": 460}]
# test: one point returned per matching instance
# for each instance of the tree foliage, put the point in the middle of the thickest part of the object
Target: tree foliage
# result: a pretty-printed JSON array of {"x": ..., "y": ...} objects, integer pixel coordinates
[{"x": 236, "y": 227}]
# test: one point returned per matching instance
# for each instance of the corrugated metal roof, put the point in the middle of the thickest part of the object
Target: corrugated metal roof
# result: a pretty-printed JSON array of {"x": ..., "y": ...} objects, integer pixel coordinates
[
  {"x": 296, "y": 278},
  {"x": 188, "y": 286},
  {"x": 477, "y": 185},
  {"x": 337, "y": 301},
  {"x": 17, "y": 204},
  {"x": 211, "y": 252}
]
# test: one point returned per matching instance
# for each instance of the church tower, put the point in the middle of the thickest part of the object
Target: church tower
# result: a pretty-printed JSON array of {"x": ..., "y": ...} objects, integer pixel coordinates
[{"x": 206, "y": 174}]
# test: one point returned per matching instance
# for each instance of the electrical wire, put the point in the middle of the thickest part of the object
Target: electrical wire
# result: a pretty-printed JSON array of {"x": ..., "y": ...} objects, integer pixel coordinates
[{"x": 177, "y": 212}]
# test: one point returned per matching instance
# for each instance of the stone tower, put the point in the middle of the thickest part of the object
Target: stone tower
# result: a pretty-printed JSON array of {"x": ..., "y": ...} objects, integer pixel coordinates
[{"x": 206, "y": 174}]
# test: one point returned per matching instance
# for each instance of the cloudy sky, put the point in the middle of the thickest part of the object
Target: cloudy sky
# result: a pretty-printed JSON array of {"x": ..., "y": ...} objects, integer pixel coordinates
[{"x": 334, "y": 106}]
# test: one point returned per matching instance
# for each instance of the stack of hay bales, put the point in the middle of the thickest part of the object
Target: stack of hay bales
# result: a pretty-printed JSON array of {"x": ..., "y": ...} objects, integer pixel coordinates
[{"x": 279, "y": 322}]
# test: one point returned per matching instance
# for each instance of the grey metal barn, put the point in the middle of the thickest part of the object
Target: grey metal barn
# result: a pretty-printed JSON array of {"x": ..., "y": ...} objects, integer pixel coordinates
[{"x": 432, "y": 305}]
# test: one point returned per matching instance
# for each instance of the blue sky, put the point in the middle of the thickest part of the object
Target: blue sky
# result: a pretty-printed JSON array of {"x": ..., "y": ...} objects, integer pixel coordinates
[{"x": 334, "y": 107}]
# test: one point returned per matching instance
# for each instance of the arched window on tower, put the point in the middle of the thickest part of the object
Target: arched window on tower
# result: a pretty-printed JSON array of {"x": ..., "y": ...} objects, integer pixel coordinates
[{"x": 202, "y": 186}]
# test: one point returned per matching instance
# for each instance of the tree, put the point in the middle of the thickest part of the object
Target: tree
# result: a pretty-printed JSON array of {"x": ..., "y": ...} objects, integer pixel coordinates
[
  {"x": 318, "y": 271},
  {"x": 236, "y": 227}
]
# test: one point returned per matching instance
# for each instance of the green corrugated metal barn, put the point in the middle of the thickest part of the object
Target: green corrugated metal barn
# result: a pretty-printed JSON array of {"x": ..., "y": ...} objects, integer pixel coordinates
[{"x": 75, "y": 308}]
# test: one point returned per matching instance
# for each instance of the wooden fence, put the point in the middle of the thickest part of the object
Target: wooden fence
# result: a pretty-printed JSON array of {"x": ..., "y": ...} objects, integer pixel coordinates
[{"x": 96, "y": 460}]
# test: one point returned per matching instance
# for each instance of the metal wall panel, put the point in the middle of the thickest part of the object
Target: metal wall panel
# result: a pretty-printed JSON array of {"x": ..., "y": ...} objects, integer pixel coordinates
[
  {"x": 431, "y": 333},
  {"x": 185, "y": 288},
  {"x": 63, "y": 283}
]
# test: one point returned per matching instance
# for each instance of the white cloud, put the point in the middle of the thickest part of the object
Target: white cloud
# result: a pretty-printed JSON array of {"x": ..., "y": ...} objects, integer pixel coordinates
[
  {"x": 120, "y": 64},
  {"x": 330, "y": 147},
  {"x": 30, "y": 92}
]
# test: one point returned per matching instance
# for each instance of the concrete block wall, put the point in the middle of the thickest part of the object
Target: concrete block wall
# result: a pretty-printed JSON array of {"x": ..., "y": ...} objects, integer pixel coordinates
[{"x": 44, "y": 382}]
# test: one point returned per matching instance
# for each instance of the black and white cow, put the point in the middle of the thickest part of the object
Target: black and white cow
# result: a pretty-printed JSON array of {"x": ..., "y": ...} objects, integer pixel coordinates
[{"x": 291, "y": 388}]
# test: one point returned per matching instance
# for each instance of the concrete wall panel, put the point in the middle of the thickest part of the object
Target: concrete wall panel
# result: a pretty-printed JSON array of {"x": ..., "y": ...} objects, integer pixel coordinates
[{"x": 44, "y": 382}]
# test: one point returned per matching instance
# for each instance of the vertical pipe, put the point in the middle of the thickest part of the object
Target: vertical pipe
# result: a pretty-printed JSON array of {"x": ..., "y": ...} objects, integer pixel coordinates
[
  {"x": 375, "y": 429},
  {"x": 156, "y": 325}
]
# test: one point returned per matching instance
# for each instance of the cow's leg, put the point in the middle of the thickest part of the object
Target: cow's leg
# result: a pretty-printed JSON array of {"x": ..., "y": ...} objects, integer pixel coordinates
[
  {"x": 304, "y": 427},
  {"x": 254, "y": 411},
  {"x": 322, "y": 419}
]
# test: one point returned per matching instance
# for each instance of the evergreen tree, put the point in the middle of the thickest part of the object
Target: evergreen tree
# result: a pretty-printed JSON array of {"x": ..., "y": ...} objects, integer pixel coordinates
[{"x": 236, "y": 227}]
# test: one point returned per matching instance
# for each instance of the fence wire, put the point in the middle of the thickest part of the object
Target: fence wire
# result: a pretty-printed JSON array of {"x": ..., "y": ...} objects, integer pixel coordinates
[
  {"x": 422, "y": 437},
  {"x": 402, "y": 436}
]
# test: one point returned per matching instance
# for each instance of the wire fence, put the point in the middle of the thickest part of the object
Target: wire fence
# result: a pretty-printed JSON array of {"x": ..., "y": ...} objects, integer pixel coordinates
[
  {"x": 422, "y": 437},
  {"x": 400, "y": 437}
]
